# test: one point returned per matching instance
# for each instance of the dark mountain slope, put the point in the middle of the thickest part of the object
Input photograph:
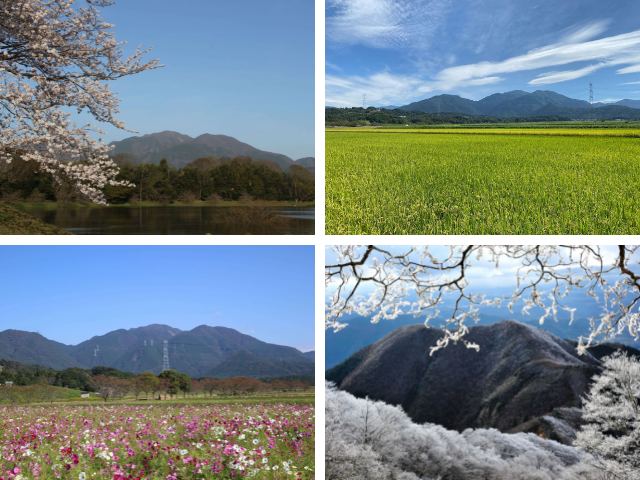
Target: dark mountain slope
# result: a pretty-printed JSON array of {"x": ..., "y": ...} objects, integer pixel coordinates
[
  {"x": 245, "y": 364},
  {"x": 520, "y": 371},
  {"x": 33, "y": 348}
]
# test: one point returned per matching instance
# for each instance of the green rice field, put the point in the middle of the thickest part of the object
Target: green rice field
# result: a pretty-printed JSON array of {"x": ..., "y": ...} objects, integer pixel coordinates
[{"x": 448, "y": 181}]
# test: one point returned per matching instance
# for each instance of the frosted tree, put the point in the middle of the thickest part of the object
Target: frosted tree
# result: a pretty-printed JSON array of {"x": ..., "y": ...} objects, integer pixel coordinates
[
  {"x": 612, "y": 409},
  {"x": 410, "y": 451},
  {"x": 413, "y": 280},
  {"x": 56, "y": 59}
]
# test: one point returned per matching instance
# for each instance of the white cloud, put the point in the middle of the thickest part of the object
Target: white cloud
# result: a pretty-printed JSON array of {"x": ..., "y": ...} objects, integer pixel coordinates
[
  {"x": 630, "y": 83},
  {"x": 555, "y": 77},
  {"x": 385, "y": 88},
  {"x": 615, "y": 50},
  {"x": 217, "y": 314},
  {"x": 609, "y": 100}
]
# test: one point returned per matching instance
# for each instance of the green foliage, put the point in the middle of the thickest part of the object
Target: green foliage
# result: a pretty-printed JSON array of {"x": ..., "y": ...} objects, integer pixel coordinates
[
  {"x": 75, "y": 378},
  {"x": 388, "y": 182},
  {"x": 358, "y": 117},
  {"x": 226, "y": 177},
  {"x": 111, "y": 372},
  {"x": 174, "y": 376}
]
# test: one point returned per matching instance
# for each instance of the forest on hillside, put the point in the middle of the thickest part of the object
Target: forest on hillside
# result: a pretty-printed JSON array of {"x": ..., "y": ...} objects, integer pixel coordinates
[
  {"x": 355, "y": 117},
  {"x": 208, "y": 179}
]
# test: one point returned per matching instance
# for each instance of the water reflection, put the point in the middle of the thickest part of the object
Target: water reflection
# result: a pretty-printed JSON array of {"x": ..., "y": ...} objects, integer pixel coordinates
[{"x": 168, "y": 220}]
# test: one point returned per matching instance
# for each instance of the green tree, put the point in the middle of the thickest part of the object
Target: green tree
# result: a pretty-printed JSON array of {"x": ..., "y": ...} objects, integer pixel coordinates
[
  {"x": 147, "y": 382},
  {"x": 174, "y": 377},
  {"x": 185, "y": 384}
]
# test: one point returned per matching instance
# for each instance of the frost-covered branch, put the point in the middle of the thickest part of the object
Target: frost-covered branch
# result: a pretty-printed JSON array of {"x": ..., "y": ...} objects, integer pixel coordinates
[
  {"x": 415, "y": 281},
  {"x": 53, "y": 56}
]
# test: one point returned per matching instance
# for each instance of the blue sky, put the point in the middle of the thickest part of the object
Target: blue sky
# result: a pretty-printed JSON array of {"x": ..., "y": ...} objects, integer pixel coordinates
[
  {"x": 399, "y": 51},
  {"x": 243, "y": 68},
  {"x": 71, "y": 293}
]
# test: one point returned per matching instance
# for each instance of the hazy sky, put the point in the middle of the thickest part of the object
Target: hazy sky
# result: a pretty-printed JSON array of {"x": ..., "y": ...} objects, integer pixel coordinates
[
  {"x": 243, "y": 68},
  {"x": 398, "y": 51},
  {"x": 71, "y": 293}
]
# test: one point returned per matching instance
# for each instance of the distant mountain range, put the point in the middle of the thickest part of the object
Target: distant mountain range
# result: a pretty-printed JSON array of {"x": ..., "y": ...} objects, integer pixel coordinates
[
  {"x": 204, "y": 351},
  {"x": 518, "y": 103},
  {"x": 360, "y": 332},
  {"x": 181, "y": 149},
  {"x": 519, "y": 374}
]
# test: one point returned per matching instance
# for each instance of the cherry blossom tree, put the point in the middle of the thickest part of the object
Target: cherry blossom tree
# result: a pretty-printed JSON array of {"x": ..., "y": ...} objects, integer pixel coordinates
[
  {"x": 413, "y": 280},
  {"x": 55, "y": 58},
  {"x": 612, "y": 409}
]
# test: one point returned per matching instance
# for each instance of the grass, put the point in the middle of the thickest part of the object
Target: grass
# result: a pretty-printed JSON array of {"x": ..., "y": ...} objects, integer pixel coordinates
[
  {"x": 479, "y": 182},
  {"x": 15, "y": 222},
  {"x": 71, "y": 397}
]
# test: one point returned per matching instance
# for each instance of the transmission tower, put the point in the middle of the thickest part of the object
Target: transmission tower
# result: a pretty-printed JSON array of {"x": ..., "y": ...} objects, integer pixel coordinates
[
  {"x": 165, "y": 358},
  {"x": 364, "y": 101},
  {"x": 591, "y": 111}
]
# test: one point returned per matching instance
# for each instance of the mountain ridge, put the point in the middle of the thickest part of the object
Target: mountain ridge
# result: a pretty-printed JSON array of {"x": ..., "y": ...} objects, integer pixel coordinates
[
  {"x": 139, "y": 349},
  {"x": 180, "y": 149},
  {"x": 518, "y": 103},
  {"x": 519, "y": 372}
]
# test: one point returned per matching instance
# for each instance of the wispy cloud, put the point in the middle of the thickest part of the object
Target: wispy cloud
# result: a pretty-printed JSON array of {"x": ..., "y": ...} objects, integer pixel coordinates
[
  {"x": 609, "y": 100},
  {"x": 615, "y": 50},
  {"x": 217, "y": 314},
  {"x": 382, "y": 23},
  {"x": 555, "y": 77},
  {"x": 577, "y": 45},
  {"x": 375, "y": 23},
  {"x": 630, "y": 83}
]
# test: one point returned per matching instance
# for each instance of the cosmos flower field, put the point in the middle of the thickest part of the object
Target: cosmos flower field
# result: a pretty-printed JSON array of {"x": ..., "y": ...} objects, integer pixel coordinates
[{"x": 157, "y": 442}]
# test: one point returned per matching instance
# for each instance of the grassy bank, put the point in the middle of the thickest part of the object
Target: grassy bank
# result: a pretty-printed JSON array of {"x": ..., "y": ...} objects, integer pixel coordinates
[{"x": 15, "y": 222}]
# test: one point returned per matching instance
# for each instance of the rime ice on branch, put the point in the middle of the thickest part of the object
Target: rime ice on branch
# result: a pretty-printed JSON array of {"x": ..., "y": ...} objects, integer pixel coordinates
[
  {"x": 55, "y": 57},
  {"x": 417, "y": 272}
]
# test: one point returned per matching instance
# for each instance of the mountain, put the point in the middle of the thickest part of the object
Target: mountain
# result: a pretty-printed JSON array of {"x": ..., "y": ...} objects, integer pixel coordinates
[
  {"x": 628, "y": 103},
  {"x": 33, "y": 348},
  {"x": 310, "y": 355},
  {"x": 445, "y": 103},
  {"x": 245, "y": 364},
  {"x": 136, "y": 350},
  {"x": 518, "y": 103},
  {"x": 181, "y": 149},
  {"x": 600, "y": 113},
  {"x": 519, "y": 372},
  {"x": 307, "y": 162}
]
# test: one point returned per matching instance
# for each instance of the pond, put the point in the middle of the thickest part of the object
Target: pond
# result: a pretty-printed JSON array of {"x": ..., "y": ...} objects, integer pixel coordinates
[{"x": 169, "y": 220}]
